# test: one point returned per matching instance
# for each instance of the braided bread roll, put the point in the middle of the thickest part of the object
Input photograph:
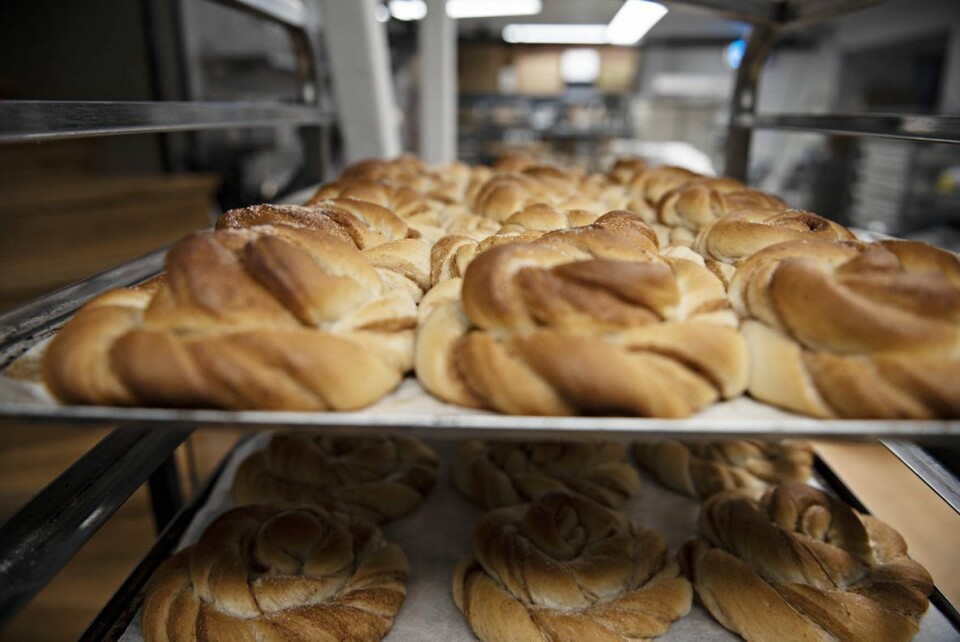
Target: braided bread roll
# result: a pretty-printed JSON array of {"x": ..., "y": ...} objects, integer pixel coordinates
[
  {"x": 496, "y": 474},
  {"x": 267, "y": 573},
  {"x": 582, "y": 320},
  {"x": 452, "y": 254},
  {"x": 625, "y": 170},
  {"x": 597, "y": 193},
  {"x": 820, "y": 570},
  {"x": 565, "y": 569},
  {"x": 701, "y": 469},
  {"x": 505, "y": 194},
  {"x": 853, "y": 329},
  {"x": 450, "y": 184},
  {"x": 267, "y": 317},
  {"x": 513, "y": 162},
  {"x": 407, "y": 203},
  {"x": 699, "y": 203},
  {"x": 647, "y": 188},
  {"x": 372, "y": 478},
  {"x": 741, "y": 234}
]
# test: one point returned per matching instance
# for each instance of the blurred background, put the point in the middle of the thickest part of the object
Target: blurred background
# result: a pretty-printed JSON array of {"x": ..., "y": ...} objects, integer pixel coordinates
[{"x": 548, "y": 79}]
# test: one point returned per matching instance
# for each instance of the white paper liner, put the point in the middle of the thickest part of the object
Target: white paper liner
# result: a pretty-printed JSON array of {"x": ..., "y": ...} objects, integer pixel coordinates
[{"x": 438, "y": 534}]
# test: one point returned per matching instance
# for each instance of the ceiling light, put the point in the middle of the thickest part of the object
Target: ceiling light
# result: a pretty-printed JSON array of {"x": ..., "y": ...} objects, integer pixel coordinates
[
  {"x": 492, "y": 8},
  {"x": 382, "y": 13},
  {"x": 408, "y": 9},
  {"x": 634, "y": 19},
  {"x": 556, "y": 34},
  {"x": 580, "y": 66}
]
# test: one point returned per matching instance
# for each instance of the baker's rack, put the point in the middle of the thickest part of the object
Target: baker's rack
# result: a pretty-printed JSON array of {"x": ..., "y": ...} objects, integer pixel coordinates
[{"x": 37, "y": 541}]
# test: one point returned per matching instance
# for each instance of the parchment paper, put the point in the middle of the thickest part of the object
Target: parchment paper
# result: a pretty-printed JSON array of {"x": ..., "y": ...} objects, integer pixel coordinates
[{"x": 438, "y": 533}]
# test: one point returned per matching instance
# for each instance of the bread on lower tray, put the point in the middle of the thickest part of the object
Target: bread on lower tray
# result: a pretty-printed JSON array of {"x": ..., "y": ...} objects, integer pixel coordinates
[
  {"x": 798, "y": 564},
  {"x": 376, "y": 478},
  {"x": 507, "y": 473},
  {"x": 269, "y": 573},
  {"x": 566, "y": 569},
  {"x": 702, "y": 468}
]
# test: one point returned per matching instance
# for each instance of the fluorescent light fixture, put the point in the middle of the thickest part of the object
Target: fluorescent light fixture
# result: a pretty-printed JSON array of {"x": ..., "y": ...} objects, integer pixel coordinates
[
  {"x": 556, "y": 34},
  {"x": 408, "y": 9},
  {"x": 580, "y": 65},
  {"x": 634, "y": 19},
  {"x": 492, "y": 8}
]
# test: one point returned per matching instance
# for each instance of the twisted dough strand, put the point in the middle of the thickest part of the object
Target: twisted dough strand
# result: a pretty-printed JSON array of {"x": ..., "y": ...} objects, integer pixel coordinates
[
  {"x": 700, "y": 469},
  {"x": 258, "y": 317},
  {"x": 853, "y": 329},
  {"x": 821, "y": 570},
  {"x": 497, "y": 474},
  {"x": 742, "y": 234},
  {"x": 585, "y": 319},
  {"x": 372, "y": 478},
  {"x": 565, "y": 569},
  {"x": 266, "y": 573}
]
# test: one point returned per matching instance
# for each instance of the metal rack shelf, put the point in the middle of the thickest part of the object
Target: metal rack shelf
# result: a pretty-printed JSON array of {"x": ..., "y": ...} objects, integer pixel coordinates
[
  {"x": 929, "y": 128},
  {"x": 121, "y": 611},
  {"x": 37, "y": 541},
  {"x": 36, "y": 120}
]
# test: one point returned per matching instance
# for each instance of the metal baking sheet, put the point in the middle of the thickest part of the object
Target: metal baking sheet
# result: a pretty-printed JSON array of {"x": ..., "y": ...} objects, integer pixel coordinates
[
  {"x": 411, "y": 410},
  {"x": 438, "y": 534}
]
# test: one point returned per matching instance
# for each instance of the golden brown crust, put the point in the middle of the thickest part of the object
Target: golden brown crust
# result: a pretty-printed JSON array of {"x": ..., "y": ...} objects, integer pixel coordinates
[
  {"x": 372, "y": 478},
  {"x": 821, "y": 570},
  {"x": 647, "y": 188},
  {"x": 250, "y": 317},
  {"x": 407, "y": 203},
  {"x": 587, "y": 319},
  {"x": 700, "y": 469},
  {"x": 742, "y": 234},
  {"x": 266, "y": 573},
  {"x": 565, "y": 569},
  {"x": 496, "y": 474},
  {"x": 852, "y": 329}
]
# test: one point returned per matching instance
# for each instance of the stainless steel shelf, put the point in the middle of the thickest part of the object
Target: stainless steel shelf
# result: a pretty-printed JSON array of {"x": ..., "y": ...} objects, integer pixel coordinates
[
  {"x": 29, "y": 120},
  {"x": 410, "y": 410},
  {"x": 942, "y": 129}
]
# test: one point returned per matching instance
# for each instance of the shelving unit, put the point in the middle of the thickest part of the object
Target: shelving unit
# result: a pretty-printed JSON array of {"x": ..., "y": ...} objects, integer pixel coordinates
[
  {"x": 37, "y": 541},
  {"x": 551, "y": 120}
]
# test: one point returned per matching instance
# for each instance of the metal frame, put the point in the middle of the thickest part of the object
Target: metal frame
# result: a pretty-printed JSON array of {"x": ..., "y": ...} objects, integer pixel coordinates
[
  {"x": 42, "y": 536},
  {"x": 37, "y": 541},
  {"x": 769, "y": 20}
]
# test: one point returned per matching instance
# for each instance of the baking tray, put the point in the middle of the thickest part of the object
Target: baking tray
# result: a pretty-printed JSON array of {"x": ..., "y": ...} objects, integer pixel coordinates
[
  {"x": 411, "y": 410},
  {"x": 25, "y": 332},
  {"x": 437, "y": 534}
]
